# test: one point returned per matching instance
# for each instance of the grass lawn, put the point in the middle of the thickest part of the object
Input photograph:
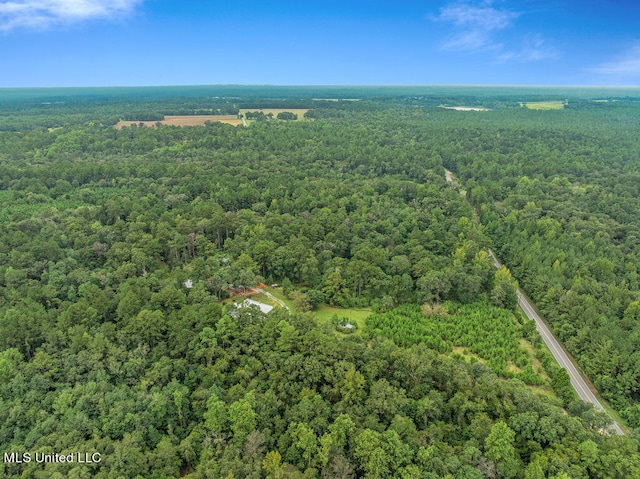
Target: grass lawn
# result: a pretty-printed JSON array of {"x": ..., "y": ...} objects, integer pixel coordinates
[
  {"x": 324, "y": 314},
  {"x": 277, "y": 292}
]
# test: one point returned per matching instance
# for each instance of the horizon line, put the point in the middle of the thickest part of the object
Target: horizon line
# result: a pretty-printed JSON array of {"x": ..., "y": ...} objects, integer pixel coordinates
[{"x": 326, "y": 85}]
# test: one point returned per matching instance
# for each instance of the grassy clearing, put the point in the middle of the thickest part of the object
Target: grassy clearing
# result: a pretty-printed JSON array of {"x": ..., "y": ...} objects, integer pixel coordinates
[
  {"x": 543, "y": 391},
  {"x": 277, "y": 292},
  {"x": 324, "y": 315},
  {"x": 466, "y": 354},
  {"x": 543, "y": 105},
  {"x": 531, "y": 351},
  {"x": 261, "y": 298},
  {"x": 512, "y": 368}
]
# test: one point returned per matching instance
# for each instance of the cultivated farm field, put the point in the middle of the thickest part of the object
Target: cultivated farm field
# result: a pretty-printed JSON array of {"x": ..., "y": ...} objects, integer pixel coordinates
[
  {"x": 543, "y": 105},
  {"x": 186, "y": 120}
]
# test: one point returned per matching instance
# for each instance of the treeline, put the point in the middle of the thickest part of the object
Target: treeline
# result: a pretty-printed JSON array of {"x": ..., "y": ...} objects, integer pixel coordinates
[
  {"x": 278, "y": 396},
  {"x": 561, "y": 205},
  {"x": 361, "y": 217},
  {"x": 103, "y": 347},
  {"x": 263, "y": 198}
]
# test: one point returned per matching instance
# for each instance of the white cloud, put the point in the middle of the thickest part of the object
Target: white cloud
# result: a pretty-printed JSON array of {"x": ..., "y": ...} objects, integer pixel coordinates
[
  {"x": 480, "y": 26},
  {"x": 534, "y": 48},
  {"x": 474, "y": 26},
  {"x": 42, "y": 14},
  {"x": 625, "y": 68}
]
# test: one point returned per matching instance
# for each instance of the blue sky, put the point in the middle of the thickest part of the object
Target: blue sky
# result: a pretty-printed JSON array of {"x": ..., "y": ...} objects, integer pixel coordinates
[{"x": 398, "y": 42}]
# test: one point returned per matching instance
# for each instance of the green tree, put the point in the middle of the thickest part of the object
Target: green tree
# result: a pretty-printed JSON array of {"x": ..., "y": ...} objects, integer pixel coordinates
[
  {"x": 287, "y": 115},
  {"x": 335, "y": 290},
  {"x": 504, "y": 293},
  {"x": 272, "y": 464},
  {"x": 242, "y": 418},
  {"x": 216, "y": 417},
  {"x": 305, "y": 440}
]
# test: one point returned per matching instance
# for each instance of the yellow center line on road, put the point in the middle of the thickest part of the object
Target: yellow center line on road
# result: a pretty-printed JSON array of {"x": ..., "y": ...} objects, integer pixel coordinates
[
  {"x": 560, "y": 356},
  {"x": 579, "y": 384}
]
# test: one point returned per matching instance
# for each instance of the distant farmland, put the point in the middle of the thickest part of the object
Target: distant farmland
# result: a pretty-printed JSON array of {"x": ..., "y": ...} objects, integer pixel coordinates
[
  {"x": 197, "y": 120},
  {"x": 298, "y": 111},
  {"x": 186, "y": 120},
  {"x": 544, "y": 105},
  {"x": 465, "y": 108}
]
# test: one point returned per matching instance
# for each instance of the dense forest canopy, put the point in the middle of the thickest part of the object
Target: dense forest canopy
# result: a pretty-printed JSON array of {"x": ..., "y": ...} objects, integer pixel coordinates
[{"x": 121, "y": 252}]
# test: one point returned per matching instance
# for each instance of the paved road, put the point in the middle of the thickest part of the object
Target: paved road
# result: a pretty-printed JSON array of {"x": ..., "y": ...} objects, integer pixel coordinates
[{"x": 552, "y": 343}]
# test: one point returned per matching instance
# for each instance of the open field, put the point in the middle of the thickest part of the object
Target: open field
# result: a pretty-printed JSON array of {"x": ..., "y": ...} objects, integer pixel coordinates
[
  {"x": 465, "y": 108},
  {"x": 543, "y": 105},
  {"x": 324, "y": 315},
  {"x": 468, "y": 355},
  {"x": 277, "y": 292},
  {"x": 535, "y": 362},
  {"x": 298, "y": 111},
  {"x": 186, "y": 120},
  {"x": 325, "y": 312}
]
